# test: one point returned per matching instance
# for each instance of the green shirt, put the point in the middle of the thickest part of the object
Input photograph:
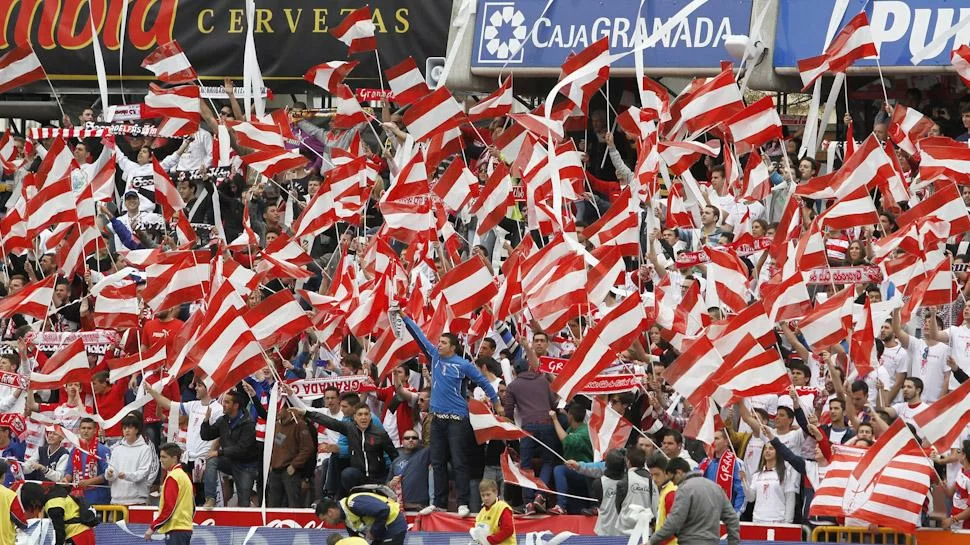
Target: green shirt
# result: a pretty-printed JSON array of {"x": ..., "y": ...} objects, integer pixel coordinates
[{"x": 576, "y": 445}]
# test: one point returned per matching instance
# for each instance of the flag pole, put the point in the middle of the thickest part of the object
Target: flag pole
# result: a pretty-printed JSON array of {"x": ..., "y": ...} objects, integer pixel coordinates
[
  {"x": 550, "y": 449},
  {"x": 54, "y": 93}
]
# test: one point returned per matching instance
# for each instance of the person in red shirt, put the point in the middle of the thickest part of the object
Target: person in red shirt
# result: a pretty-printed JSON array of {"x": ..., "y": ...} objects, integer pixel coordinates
[
  {"x": 163, "y": 325},
  {"x": 108, "y": 400}
]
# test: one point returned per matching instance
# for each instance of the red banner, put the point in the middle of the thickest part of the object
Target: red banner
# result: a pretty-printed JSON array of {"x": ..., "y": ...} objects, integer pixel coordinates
[
  {"x": 369, "y": 95},
  {"x": 314, "y": 387},
  {"x": 690, "y": 259},
  {"x": 612, "y": 384},
  {"x": 14, "y": 380},
  {"x": 551, "y": 365},
  {"x": 95, "y": 342}
]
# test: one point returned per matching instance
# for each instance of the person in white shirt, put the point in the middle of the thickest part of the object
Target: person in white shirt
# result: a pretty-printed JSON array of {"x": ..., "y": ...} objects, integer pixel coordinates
[
  {"x": 327, "y": 438},
  {"x": 773, "y": 488},
  {"x": 912, "y": 404},
  {"x": 197, "y": 449},
  {"x": 927, "y": 357},
  {"x": 139, "y": 175},
  {"x": 894, "y": 363},
  {"x": 12, "y": 400},
  {"x": 85, "y": 171},
  {"x": 197, "y": 153},
  {"x": 957, "y": 337},
  {"x": 133, "y": 465}
]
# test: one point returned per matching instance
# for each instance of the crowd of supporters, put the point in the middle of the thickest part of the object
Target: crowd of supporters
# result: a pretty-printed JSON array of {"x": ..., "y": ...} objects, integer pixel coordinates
[{"x": 411, "y": 430}]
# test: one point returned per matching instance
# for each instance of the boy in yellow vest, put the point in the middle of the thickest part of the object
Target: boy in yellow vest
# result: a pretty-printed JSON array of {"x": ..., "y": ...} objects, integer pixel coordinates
[
  {"x": 62, "y": 509},
  {"x": 494, "y": 524},
  {"x": 176, "y": 508},
  {"x": 375, "y": 516},
  {"x": 661, "y": 471}
]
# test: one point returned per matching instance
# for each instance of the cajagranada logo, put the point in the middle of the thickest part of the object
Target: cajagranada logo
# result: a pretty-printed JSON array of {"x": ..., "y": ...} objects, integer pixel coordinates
[{"x": 503, "y": 33}]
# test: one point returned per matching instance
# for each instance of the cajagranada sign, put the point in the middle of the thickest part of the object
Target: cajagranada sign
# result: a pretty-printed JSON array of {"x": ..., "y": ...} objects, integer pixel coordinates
[{"x": 290, "y": 35}]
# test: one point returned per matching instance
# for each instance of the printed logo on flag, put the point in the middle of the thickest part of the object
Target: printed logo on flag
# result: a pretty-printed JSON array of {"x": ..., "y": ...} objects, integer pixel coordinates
[{"x": 503, "y": 34}]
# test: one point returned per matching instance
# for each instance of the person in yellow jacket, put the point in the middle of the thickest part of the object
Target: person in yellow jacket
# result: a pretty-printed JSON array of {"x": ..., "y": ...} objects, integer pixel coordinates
[
  {"x": 369, "y": 515},
  {"x": 494, "y": 524},
  {"x": 10, "y": 503},
  {"x": 176, "y": 508},
  {"x": 63, "y": 511}
]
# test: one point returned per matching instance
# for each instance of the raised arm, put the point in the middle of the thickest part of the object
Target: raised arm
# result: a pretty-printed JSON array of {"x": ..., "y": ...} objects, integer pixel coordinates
[
  {"x": 898, "y": 329},
  {"x": 426, "y": 346}
]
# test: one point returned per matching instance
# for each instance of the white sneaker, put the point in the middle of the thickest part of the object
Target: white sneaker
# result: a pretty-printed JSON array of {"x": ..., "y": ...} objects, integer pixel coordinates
[
  {"x": 463, "y": 511},
  {"x": 428, "y": 510}
]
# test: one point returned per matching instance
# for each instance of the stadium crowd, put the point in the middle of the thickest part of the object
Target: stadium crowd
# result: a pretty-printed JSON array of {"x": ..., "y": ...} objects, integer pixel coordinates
[{"x": 408, "y": 421}]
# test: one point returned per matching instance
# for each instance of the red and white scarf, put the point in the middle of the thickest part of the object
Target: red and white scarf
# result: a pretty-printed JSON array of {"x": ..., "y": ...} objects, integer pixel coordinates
[
  {"x": 84, "y": 462},
  {"x": 725, "y": 472}
]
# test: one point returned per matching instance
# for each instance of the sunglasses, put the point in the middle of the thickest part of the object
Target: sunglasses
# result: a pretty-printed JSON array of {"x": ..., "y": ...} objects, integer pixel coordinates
[{"x": 410, "y": 438}]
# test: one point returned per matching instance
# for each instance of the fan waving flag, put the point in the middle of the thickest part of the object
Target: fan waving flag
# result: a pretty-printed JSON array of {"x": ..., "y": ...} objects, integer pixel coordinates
[
  {"x": 33, "y": 300},
  {"x": 601, "y": 345},
  {"x": 357, "y": 31},
  {"x": 69, "y": 364},
  {"x": 489, "y": 427},
  {"x": 19, "y": 67},
  {"x": 852, "y": 43},
  {"x": 607, "y": 429},
  {"x": 169, "y": 64},
  {"x": 730, "y": 277}
]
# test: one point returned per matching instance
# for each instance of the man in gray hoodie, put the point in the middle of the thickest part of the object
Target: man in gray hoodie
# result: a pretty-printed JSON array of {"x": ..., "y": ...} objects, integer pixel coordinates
[{"x": 699, "y": 508}]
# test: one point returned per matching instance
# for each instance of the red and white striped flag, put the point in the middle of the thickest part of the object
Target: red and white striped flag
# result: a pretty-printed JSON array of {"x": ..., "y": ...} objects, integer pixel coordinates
[
  {"x": 19, "y": 67},
  {"x": 330, "y": 76},
  {"x": 32, "y": 300},
  {"x": 53, "y": 204},
  {"x": 495, "y": 200},
  {"x": 607, "y": 429},
  {"x": 165, "y": 193},
  {"x": 693, "y": 368},
  {"x": 406, "y": 82},
  {"x": 757, "y": 124},
  {"x": 945, "y": 204},
  {"x": 960, "y": 60},
  {"x": 590, "y": 68},
  {"x": 407, "y": 221},
  {"x": 258, "y": 136},
  {"x": 756, "y": 371},
  {"x": 710, "y": 103},
  {"x": 411, "y": 181},
  {"x": 148, "y": 359},
  {"x": 868, "y": 167},
  {"x": 943, "y": 422},
  {"x": 601, "y": 345},
  {"x": 69, "y": 364},
  {"x": 388, "y": 352},
  {"x": 357, "y": 31},
  {"x": 886, "y": 485},
  {"x": 285, "y": 258},
  {"x": 116, "y": 307},
  {"x": 561, "y": 296},
  {"x": 512, "y": 473},
  {"x": 829, "y": 322},
  {"x": 178, "y": 107},
  {"x": 852, "y": 43},
  {"x": 656, "y": 101},
  {"x": 757, "y": 180},
  {"x": 468, "y": 286},
  {"x": 786, "y": 295},
  {"x": 433, "y": 114},
  {"x": 169, "y": 64},
  {"x": 853, "y": 210},
  {"x": 181, "y": 279},
  {"x": 862, "y": 350},
  {"x": 497, "y": 104},
  {"x": 184, "y": 232},
  {"x": 907, "y": 127},
  {"x": 619, "y": 226},
  {"x": 58, "y": 163},
  {"x": 943, "y": 158},
  {"x": 349, "y": 114},
  {"x": 273, "y": 161},
  {"x": 489, "y": 427},
  {"x": 277, "y": 319},
  {"x": 679, "y": 156},
  {"x": 456, "y": 186},
  {"x": 730, "y": 277}
]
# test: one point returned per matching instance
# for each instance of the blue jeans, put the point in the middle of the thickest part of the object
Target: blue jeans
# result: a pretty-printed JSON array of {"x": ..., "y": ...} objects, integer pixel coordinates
[
  {"x": 451, "y": 440},
  {"x": 243, "y": 478},
  {"x": 530, "y": 449},
  {"x": 572, "y": 482}
]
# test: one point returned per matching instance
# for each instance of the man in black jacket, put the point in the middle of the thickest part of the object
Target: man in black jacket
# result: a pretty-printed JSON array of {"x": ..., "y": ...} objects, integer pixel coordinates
[
  {"x": 237, "y": 453},
  {"x": 368, "y": 443}
]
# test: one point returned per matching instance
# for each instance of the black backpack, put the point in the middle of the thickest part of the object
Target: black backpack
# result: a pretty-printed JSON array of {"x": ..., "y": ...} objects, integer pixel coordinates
[{"x": 87, "y": 515}]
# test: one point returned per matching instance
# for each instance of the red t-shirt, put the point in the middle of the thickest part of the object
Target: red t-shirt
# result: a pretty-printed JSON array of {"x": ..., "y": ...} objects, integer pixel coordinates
[
  {"x": 155, "y": 329},
  {"x": 110, "y": 402}
]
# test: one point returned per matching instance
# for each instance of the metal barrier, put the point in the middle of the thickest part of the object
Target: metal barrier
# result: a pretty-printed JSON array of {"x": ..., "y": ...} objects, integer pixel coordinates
[
  {"x": 856, "y": 534},
  {"x": 112, "y": 513}
]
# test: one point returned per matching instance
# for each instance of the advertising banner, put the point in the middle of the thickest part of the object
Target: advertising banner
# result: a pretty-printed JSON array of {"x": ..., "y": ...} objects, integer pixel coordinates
[
  {"x": 502, "y": 32},
  {"x": 290, "y": 36},
  {"x": 900, "y": 29}
]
